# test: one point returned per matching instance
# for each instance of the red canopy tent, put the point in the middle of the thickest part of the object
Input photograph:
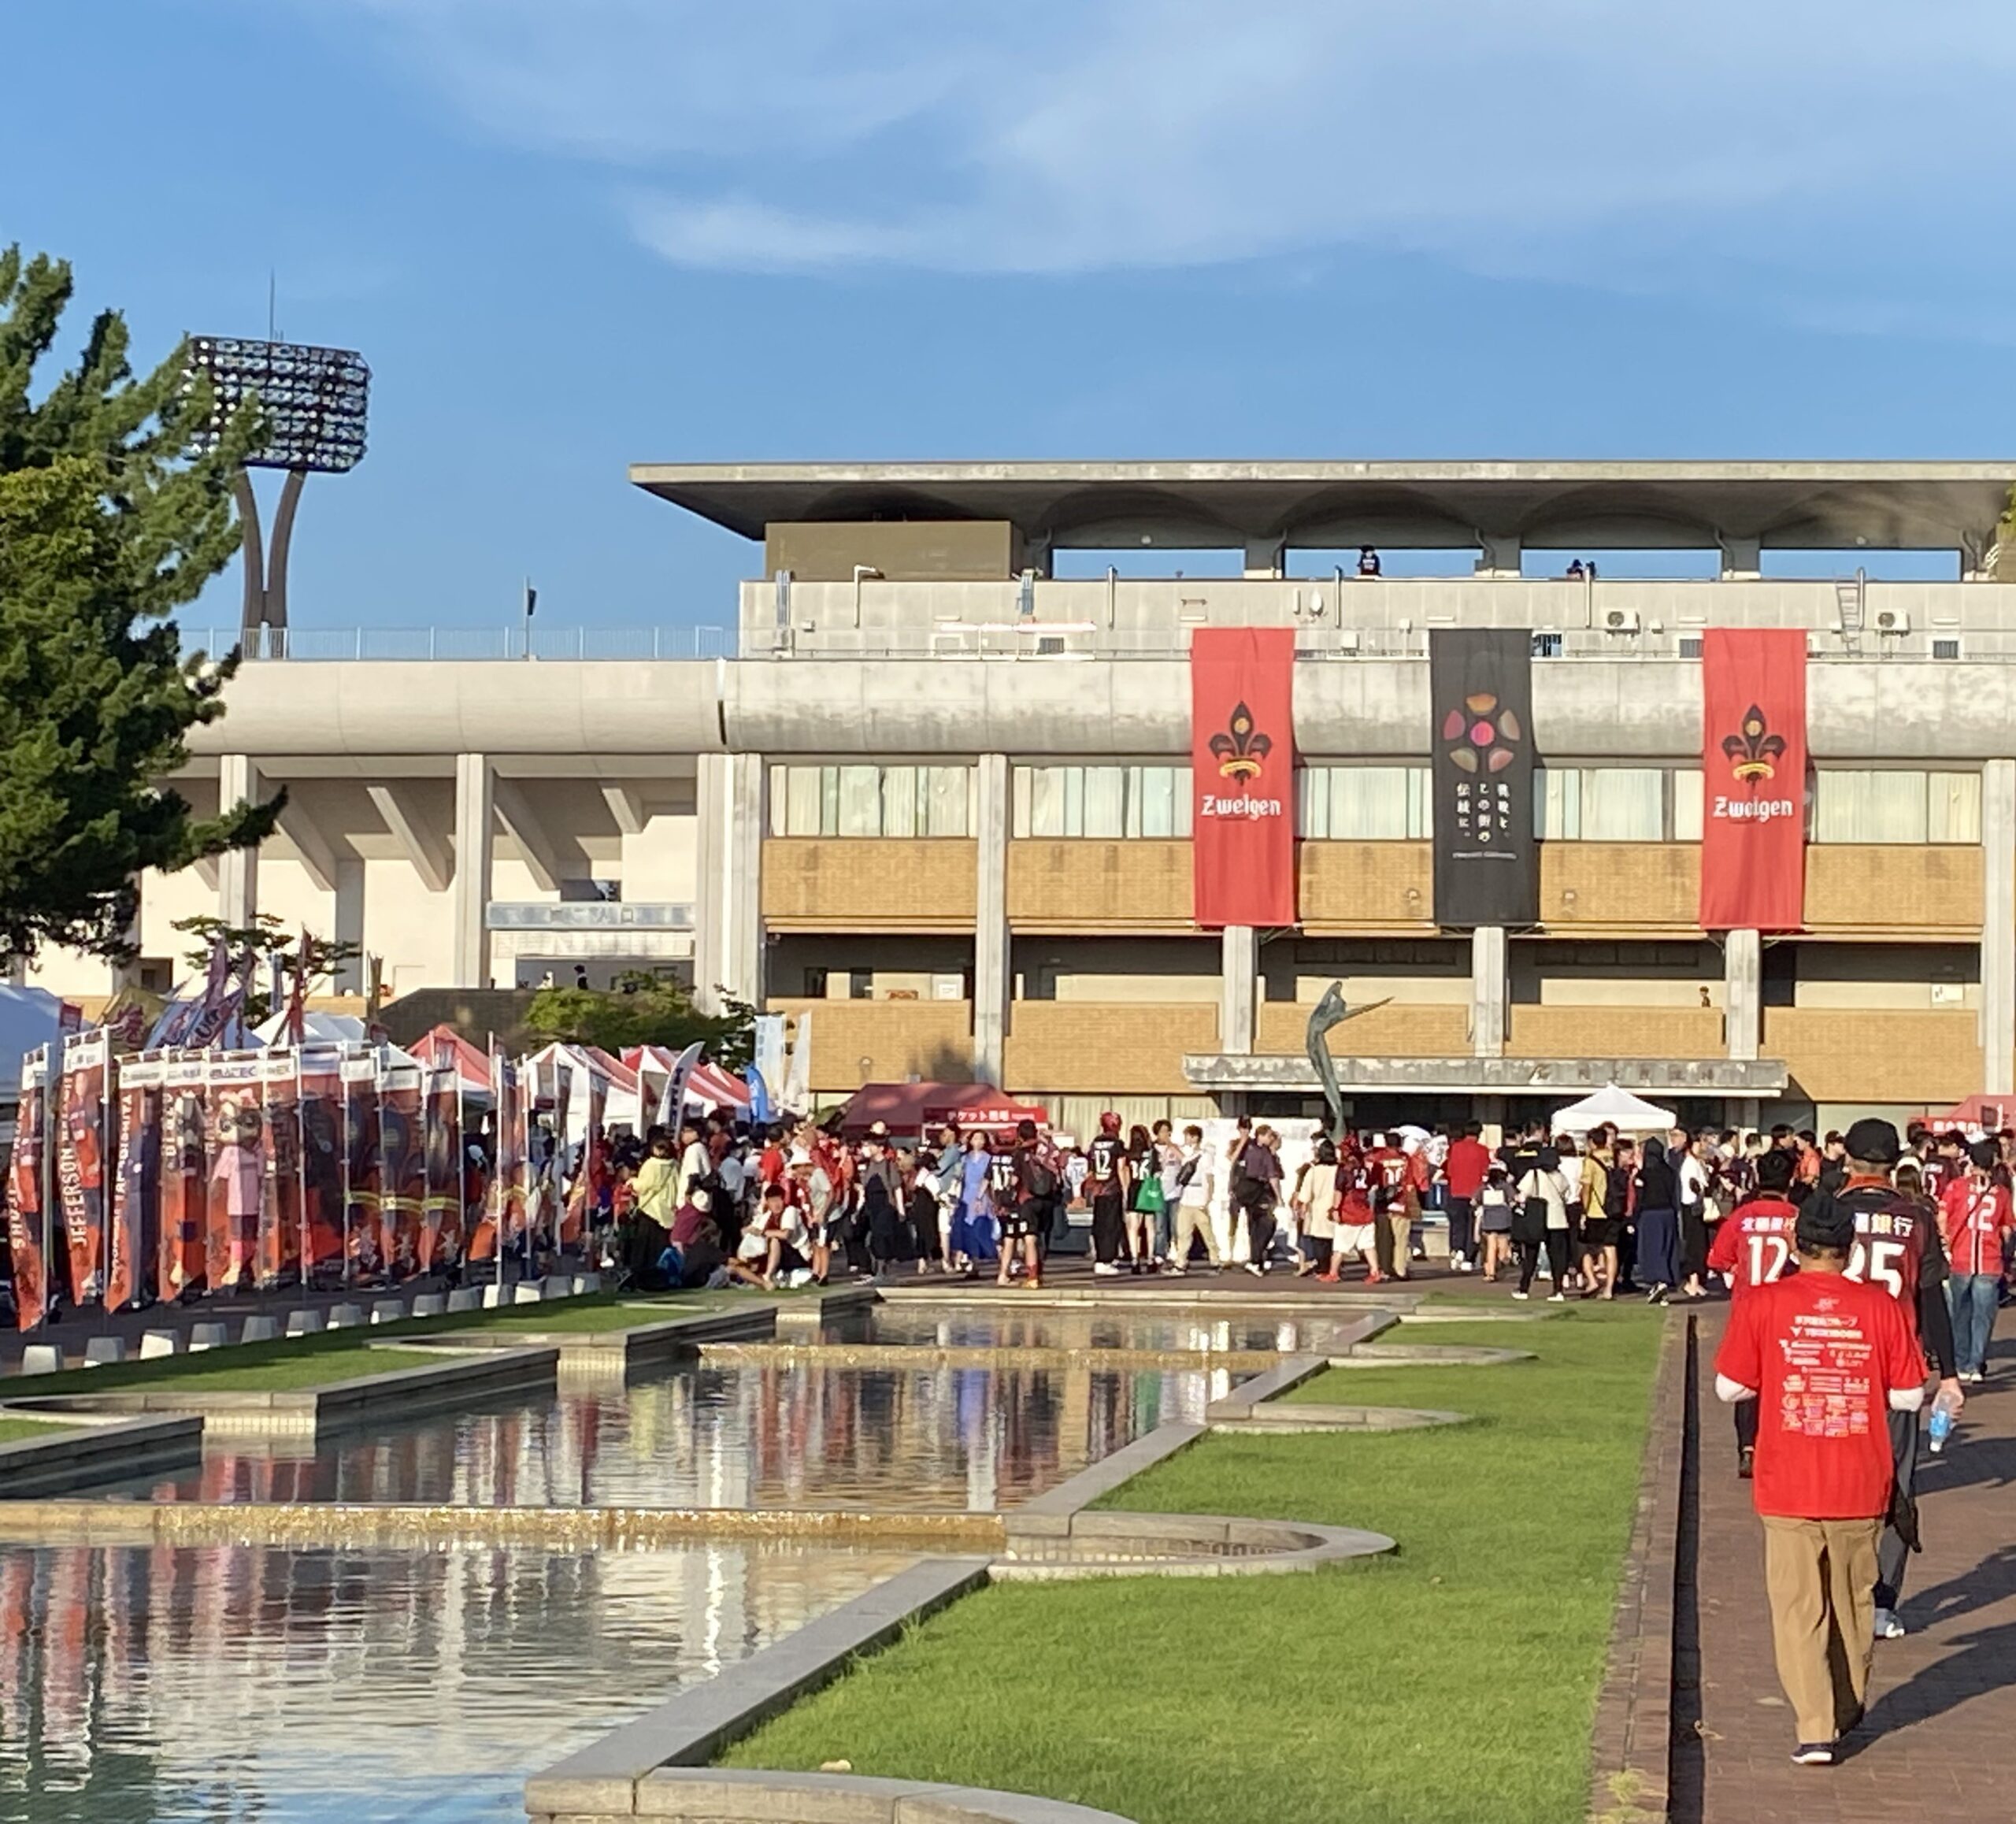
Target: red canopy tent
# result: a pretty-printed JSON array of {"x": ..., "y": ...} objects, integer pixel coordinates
[
  {"x": 444, "y": 1046},
  {"x": 1991, "y": 1113},
  {"x": 909, "y": 1109}
]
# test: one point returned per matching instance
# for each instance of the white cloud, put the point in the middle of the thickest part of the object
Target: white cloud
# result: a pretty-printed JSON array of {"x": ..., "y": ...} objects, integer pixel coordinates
[{"x": 1068, "y": 135}]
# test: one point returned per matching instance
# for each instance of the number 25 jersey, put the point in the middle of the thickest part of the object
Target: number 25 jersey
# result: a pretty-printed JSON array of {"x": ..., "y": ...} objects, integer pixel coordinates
[{"x": 1897, "y": 1246}]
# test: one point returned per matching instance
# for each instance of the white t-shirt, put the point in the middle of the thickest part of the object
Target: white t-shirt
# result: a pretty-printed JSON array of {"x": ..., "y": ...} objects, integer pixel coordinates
[
  {"x": 1693, "y": 1178},
  {"x": 692, "y": 1167}
]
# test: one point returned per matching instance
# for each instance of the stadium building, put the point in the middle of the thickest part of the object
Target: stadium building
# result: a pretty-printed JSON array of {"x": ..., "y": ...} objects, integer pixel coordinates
[{"x": 942, "y": 791}]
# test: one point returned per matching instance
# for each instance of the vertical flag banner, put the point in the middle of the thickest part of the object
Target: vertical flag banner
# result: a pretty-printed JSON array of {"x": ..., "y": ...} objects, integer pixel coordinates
[
  {"x": 441, "y": 1234},
  {"x": 80, "y": 1162},
  {"x": 184, "y": 1175},
  {"x": 238, "y": 1170},
  {"x": 402, "y": 1153},
  {"x": 556, "y": 1157},
  {"x": 671, "y": 1101},
  {"x": 321, "y": 1166},
  {"x": 363, "y": 1173},
  {"x": 280, "y": 1205},
  {"x": 797, "y": 1094},
  {"x": 584, "y": 1196},
  {"x": 1753, "y": 772},
  {"x": 1242, "y": 776},
  {"x": 1487, "y": 863},
  {"x": 136, "y": 1182},
  {"x": 26, "y": 1209}
]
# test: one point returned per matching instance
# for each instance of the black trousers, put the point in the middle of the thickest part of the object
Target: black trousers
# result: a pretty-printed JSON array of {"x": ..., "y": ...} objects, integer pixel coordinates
[
  {"x": 1259, "y": 1207},
  {"x": 1529, "y": 1254},
  {"x": 1693, "y": 1241},
  {"x": 1109, "y": 1232},
  {"x": 1462, "y": 1237},
  {"x": 1891, "y": 1552},
  {"x": 1746, "y": 1425}
]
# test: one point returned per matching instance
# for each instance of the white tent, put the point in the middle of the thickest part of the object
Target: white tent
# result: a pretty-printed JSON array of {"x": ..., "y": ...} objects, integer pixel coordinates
[
  {"x": 1611, "y": 1107},
  {"x": 317, "y": 1029},
  {"x": 29, "y": 1018}
]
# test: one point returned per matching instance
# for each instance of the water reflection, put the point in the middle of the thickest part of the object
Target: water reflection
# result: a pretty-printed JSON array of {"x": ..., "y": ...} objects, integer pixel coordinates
[
  {"x": 955, "y": 1326},
  {"x": 309, "y": 1686},
  {"x": 789, "y": 1436}
]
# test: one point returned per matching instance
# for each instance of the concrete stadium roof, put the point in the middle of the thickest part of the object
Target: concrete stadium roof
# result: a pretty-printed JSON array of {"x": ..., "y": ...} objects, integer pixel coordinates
[{"x": 1589, "y": 505}]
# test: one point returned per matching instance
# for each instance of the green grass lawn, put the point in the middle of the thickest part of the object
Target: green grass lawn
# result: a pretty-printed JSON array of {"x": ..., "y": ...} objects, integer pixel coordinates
[
  {"x": 14, "y": 1430},
  {"x": 1451, "y": 1683}
]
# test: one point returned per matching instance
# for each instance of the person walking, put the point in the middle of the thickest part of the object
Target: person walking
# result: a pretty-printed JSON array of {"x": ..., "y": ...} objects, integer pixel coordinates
[
  {"x": 1386, "y": 1171},
  {"x": 1106, "y": 1188},
  {"x": 1540, "y": 1220},
  {"x": 1754, "y": 1247},
  {"x": 1897, "y": 1249},
  {"x": 1494, "y": 1207},
  {"x": 1196, "y": 1180},
  {"x": 1025, "y": 1209},
  {"x": 1259, "y": 1166},
  {"x": 1463, "y": 1172},
  {"x": 972, "y": 1226},
  {"x": 1687, "y": 1151},
  {"x": 1144, "y": 1162},
  {"x": 1658, "y": 1223},
  {"x": 1315, "y": 1204},
  {"x": 1827, "y": 1362},
  {"x": 1975, "y": 1221},
  {"x": 1598, "y": 1237}
]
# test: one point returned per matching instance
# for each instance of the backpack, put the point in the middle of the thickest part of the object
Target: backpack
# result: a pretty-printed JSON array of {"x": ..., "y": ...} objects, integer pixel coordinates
[{"x": 1038, "y": 1178}]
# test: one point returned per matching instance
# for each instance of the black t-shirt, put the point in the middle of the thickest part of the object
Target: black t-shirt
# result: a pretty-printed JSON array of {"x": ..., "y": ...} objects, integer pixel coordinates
[{"x": 1103, "y": 1157}]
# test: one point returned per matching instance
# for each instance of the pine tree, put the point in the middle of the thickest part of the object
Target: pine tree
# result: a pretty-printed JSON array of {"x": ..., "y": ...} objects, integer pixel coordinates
[{"x": 111, "y": 517}]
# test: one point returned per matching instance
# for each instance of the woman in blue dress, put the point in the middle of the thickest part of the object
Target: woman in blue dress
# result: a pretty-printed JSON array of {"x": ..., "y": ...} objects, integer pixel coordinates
[{"x": 974, "y": 1236}]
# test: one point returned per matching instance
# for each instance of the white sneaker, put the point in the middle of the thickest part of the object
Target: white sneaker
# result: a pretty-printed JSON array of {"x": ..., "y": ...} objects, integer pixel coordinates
[
  {"x": 1105, "y": 1269},
  {"x": 1521, "y": 1296},
  {"x": 1558, "y": 1298},
  {"x": 1887, "y": 1626}
]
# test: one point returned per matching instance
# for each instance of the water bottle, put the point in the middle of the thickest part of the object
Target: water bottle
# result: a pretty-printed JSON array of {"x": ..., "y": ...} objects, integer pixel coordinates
[{"x": 1945, "y": 1406}]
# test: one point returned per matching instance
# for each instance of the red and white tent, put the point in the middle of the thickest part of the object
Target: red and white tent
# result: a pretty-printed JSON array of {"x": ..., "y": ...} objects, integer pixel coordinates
[
  {"x": 444, "y": 1046},
  {"x": 708, "y": 1087}
]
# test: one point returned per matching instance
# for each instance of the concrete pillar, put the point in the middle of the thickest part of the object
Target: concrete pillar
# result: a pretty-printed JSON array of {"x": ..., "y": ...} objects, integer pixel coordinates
[
  {"x": 469, "y": 895},
  {"x": 1499, "y": 557},
  {"x": 237, "y": 870},
  {"x": 1266, "y": 558},
  {"x": 1999, "y": 927},
  {"x": 347, "y": 925},
  {"x": 1487, "y": 992},
  {"x": 993, "y": 945},
  {"x": 1743, "y": 995},
  {"x": 1743, "y": 560},
  {"x": 729, "y": 952},
  {"x": 1239, "y": 990}
]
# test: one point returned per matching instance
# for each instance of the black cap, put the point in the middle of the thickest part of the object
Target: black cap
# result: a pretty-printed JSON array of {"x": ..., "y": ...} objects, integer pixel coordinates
[
  {"x": 1875, "y": 1141},
  {"x": 1986, "y": 1153},
  {"x": 1824, "y": 1223}
]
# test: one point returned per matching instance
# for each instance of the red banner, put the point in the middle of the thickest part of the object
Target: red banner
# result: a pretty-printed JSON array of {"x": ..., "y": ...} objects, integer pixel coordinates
[
  {"x": 184, "y": 1178},
  {"x": 80, "y": 1163},
  {"x": 1242, "y": 774},
  {"x": 1753, "y": 800},
  {"x": 26, "y": 1225}
]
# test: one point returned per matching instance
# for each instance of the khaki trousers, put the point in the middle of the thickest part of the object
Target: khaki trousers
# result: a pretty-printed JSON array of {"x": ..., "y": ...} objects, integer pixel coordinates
[
  {"x": 1194, "y": 1220},
  {"x": 1400, "y": 1237},
  {"x": 1820, "y": 1577}
]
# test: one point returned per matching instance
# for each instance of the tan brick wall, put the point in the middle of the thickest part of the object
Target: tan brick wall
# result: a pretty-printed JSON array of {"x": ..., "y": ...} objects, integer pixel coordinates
[
  {"x": 930, "y": 1040},
  {"x": 1843, "y": 1054},
  {"x": 1099, "y": 1048},
  {"x": 1399, "y": 1029},
  {"x": 869, "y": 882},
  {"x": 1141, "y": 884},
  {"x": 1647, "y": 887},
  {"x": 1350, "y": 886},
  {"x": 1892, "y": 886},
  {"x": 1603, "y": 1032}
]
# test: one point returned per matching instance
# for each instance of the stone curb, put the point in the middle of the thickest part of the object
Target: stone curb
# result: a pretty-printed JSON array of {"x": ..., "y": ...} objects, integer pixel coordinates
[
  {"x": 1631, "y": 1740},
  {"x": 604, "y": 1779},
  {"x": 1255, "y": 1298},
  {"x": 96, "y": 1451},
  {"x": 738, "y": 1796},
  {"x": 1246, "y": 1546},
  {"x": 1287, "y": 1421},
  {"x": 1428, "y": 1355}
]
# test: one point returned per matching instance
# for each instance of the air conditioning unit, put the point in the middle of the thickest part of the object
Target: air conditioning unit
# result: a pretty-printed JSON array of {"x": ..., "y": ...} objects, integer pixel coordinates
[
  {"x": 1892, "y": 621},
  {"x": 1620, "y": 621}
]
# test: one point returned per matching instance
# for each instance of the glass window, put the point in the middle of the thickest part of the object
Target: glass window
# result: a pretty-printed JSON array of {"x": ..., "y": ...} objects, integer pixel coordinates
[
  {"x": 1602, "y": 804},
  {"x": 1366, "y": 803},
  {"x": 948, "y": 800},
  {"x": 870, "y": 801},
  {"x": 1954, "y": 814},
  {"x": 1853, "y": 805},
  {"x": 1687, "y": 804},
  {"x": 1105, "y": 800},
  {"x": 1101, "y": 802},
  {"x": 899, "y": 796}
]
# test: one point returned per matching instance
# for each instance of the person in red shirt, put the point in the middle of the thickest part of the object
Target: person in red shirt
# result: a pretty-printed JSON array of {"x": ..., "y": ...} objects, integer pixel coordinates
[
  {"x": 1385, "y": 1171},
  {"x": 1975, "y": 1220},
  {"x": 1463, "y": 1171},
  {"x": 1827, "y": 1360},
  {"x": 1754, "y": 1247}
]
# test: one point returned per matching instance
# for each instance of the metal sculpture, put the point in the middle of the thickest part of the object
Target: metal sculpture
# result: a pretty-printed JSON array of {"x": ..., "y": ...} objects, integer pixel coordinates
[{"x": 1327, "y": 1012}]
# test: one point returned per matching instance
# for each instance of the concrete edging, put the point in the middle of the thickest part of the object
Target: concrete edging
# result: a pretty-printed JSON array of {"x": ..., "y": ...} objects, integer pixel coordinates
[
  {"x": 738, "y": 1796},
  {"x": 76, "y": 1454}
]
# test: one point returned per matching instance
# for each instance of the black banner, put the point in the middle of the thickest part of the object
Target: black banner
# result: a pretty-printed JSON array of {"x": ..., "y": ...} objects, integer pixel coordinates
[{"x": 1487, "y": 864}]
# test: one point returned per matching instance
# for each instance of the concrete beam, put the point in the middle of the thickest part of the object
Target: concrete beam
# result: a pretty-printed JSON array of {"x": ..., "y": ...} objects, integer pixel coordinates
[
  {"x": 317, "y": 854},
  {"x": 627, "y": 806},
  {"x": 992, "y": 944},
  {"x": 1239, "y": 989},
  {"x": 522, "y": 825},
  {"x": 426, "y": 847},
  {"x": 1488, "y": 1013},
  {"x": 237, "y": 870},
  {"x": 1999, "y": 927},
  {"x": 1743, "y": 994},
  {"x": 347, "y": 926},
  {"x": 474, "y": 812}
]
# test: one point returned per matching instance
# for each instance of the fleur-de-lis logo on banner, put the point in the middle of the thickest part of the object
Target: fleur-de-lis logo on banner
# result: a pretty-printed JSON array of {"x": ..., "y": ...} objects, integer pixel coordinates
[
  {"x": 1242, "y": 750},
  {"x": 1753, "y": 750}
]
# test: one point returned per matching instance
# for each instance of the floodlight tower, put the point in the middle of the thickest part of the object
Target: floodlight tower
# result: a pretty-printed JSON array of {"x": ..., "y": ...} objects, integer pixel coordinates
[{"x": 312, "y": 402}]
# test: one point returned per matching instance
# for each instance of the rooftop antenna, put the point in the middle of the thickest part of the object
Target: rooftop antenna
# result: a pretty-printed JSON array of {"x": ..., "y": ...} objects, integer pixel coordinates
[{"x": 273, "y": 305}]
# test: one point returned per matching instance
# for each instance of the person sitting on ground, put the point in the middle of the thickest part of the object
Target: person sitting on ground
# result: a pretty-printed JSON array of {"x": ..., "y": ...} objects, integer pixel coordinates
[
  {"x": 693, "y": 1258},
  {"x": 771, "y": 1248}
]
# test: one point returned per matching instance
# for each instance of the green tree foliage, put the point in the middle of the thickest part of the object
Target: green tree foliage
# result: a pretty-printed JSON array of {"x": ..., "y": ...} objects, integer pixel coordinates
[
  {"x": 110, "y": 518},
  {"x": 644, "y": 1010},
  {"x": 267, "y": 939}
]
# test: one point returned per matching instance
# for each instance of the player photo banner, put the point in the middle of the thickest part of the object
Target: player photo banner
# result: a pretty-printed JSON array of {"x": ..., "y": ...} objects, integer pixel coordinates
[
  {"x": 1242, "y": 776},
  {"x": 1753, "y": 770},
  {"x": 362, "y": 1168},
  {"x": 80, "y": 1162},
  {"x": 237, "y": 1182},
  {"x": 136, "y": 1186},
  {"x": 321, "y": 1166},
  {"x": 280, "y": 1215},
  {"x": 441, "y": 1235},
  {"x": 27, "y": 1207},
  {"x": 402, "y": 1157},
  {"x": 1487, "y": 863},
  {"x": 183, "y": 1261}
]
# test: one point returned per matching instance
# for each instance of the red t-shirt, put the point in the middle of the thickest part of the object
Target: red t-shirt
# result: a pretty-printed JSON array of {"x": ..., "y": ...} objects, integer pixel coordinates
[
  {"x": 1975, "y": 1217},
  {"x": 1824, "y": 1354},
  {"x": 1754, "y": 1246},
  {"x": 1468, "y": 1160},
  {"x": 1385, "y": 1168}
]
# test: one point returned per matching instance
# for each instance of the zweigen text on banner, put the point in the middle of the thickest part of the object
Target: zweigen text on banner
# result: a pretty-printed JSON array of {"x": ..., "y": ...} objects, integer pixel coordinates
[
  {"x": 1487, "y": 863},
  {"x": 1242, "y": 772},
  {"x": 1753, "y": 771}
]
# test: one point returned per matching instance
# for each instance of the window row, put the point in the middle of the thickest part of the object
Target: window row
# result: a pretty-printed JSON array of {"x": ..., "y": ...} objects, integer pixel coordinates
[{"x": 1372, "y": 803}]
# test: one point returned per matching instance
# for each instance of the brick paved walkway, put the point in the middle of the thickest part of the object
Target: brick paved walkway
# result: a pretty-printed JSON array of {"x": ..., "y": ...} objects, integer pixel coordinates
[{"x": 1943, "y": 1700}]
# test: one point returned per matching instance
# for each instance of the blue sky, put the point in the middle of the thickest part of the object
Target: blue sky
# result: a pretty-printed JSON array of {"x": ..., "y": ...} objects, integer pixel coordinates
[{"x": 572, "y": 234}]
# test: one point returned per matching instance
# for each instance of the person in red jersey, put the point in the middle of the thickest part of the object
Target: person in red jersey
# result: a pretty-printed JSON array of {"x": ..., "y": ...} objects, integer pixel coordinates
[
  {"x": 1827, "y": 1361},
  {"x": 1975, "y": 1220},
  {"x": 1463, "y": 1171},
  {"x": 1754, "y": 1247},
  {"x": 1897, "y": 1249}
]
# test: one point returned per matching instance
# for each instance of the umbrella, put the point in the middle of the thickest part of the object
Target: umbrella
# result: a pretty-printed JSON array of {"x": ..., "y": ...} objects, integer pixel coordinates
[{"x": 1611, "y": 1107}]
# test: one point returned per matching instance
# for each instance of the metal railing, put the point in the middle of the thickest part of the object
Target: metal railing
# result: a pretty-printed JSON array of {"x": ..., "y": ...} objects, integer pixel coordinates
[{"x": 636, "y": 645}]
